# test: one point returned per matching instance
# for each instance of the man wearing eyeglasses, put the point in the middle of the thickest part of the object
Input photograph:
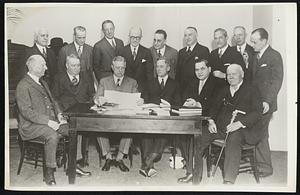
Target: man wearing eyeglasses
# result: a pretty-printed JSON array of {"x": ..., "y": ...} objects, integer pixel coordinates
[{"x": 138, "y": 59}]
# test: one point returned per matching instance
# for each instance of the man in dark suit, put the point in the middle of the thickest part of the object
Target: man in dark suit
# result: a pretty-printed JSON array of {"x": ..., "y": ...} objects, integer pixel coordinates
[
  {"x": 237, "y": 111},
  {"x": 105, "y": 50},
  {"x": 41, "y": 38},
  {"x": 40, "y": 115},
  {"x": 74, "y": 86},
  {"x": 161, "y": 49},
  {"x": 121, "y": 83},
  {"x": 162, "y": 88},
  {"x": 78, "y": 48},
  {"x": 267, "y": 78},
  {"x": 198, "y": 93},
  {"x": 139, "y": 62},
  {"x": 247, "y": 52},
  {"x": 185, "y": 70},
  {"x": 222, "y": 57}
]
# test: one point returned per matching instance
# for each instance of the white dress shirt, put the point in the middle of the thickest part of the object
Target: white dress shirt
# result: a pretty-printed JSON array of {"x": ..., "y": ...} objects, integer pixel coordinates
[
  {"x": 223, "y": 49},
  {"x": 233, "y": 90},
  {"x": 165, "y": 78},
  {"x": 136, "y": 49},
  {"x": 35, "y": 78},
  {"x": 116, "y": 80},
  {"x": 162, "y": 51},
  {"x": 262, "y": 51},
  {"x": 77, "y": 47},
  {"x": 71, "y": 77},
  {"x": 41, "y": 48},
  {"x": 192, "y": 47},
  {"x": 111, "y": 41},
  {"x": 201, "y": 85},
  {"x": 243, "y": 47}
]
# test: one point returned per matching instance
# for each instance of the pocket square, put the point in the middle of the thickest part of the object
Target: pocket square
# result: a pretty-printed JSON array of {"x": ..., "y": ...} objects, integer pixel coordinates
[
  {"x": 263, "y": 65},
  {"x": 227, "y": 64},
  {"x": 196, "y": 58},
  {"x": 143, "y": 60}
]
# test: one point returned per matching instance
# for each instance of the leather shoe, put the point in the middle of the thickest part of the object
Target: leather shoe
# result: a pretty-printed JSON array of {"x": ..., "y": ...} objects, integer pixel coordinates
[
  {"x": 82, "y": 162},
  {"x": 187, "y": 179},
  {"x": 82, "y": 173},
  {"x": 122, "y": 166},
  {"x": 107, "y": 165},
  {"x": 264, "y": 174},
  {"x": 227, "y": 182},
  {"x": 49, "y": 176}
]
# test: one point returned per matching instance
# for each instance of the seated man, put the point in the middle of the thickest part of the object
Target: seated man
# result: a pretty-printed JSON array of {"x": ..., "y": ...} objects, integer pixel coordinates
[
  {"x": 73, "y": 86},
  {"x": 40, "y": 116},
  {"x": 162, "y": 90},
  {"x": 117, "y": 82},
  {"x": 243, "y": 100},
  {"x": 198, "y": 93}
]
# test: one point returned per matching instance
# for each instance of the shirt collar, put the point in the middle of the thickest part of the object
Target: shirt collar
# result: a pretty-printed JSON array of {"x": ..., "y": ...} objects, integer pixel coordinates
[
  {"x": 77, "y": 46},
  {"x": 243, "y": 47},
  {"x": 116, "y": 79},
  {"x": 262, "y": 51},
  {"x": 71, "y": 77},
  {"x": 111, "y": 40},
  {"x": 232, "y": 90},
  {"x": 223, "y": 49},
  {"x": 136, "y": 50},
  {"x": 35, "y": 78},
  {"x": 192, "y": 46},
  {"x": 203, "y": 81},
  {"x": 41, "y": 48},
  {"x": 162, "y": 50},
  {"x": 165, "y": 78}
]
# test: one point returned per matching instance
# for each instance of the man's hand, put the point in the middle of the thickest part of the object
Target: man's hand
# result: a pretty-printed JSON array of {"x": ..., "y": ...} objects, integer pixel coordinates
[
  {"x": 234, "y": 126},
  {"x": 266, "y": 107},
  {"x": 53, "y": 124},
  {"x": 61, "y": 118},
  {"x": 190, "y": 102},
  {"x": 100, "y": 100},
  {"x": 140, "y": 102},
  {"x": 219, "y": 74},
  {"x": 212, "y": 127}
]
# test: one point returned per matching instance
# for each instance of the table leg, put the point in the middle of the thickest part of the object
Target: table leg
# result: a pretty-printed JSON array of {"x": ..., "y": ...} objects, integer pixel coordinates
[
  {"x": 72, "y": 152},
  {"x": 198, "y": 164}
]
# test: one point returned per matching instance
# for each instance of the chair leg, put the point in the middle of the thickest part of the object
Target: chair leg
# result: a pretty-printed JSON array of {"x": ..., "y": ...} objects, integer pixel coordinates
[
  {"x": 130, "y": 154},
  {"x": 36, "y": 159},
  {"x": 208, "y": 161},
  {"x": 254, "y": 166},
  {"x": 44, "y": 165},
  {"x": 174, "y": 152},
  {"x": 21, "y": 159}
]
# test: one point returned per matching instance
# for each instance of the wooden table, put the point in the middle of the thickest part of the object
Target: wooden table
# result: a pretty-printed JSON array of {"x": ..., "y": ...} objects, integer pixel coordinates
[{"x": 81, "y": 118}]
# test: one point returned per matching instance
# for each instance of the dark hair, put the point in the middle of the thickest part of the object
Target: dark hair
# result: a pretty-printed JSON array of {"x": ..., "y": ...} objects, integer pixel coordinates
[
  {"x": 203, "y": 60},
  {"x": 262, "y": 32},
  {"x": 107, "y": 21},
  {"x": 160, "y": 31},
  {"x": 191, "y": 27}
]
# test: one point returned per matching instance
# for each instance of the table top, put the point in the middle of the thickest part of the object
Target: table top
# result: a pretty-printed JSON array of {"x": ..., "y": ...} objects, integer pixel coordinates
[{"x": 83, "y": 110}]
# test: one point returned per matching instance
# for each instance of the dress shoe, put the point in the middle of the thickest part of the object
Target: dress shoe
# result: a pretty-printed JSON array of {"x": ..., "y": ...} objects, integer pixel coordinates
[
  {"x": 49, "y": 176},
  {"x": 152, "y": 172},
  {"x": 107, "y": 165},
  {"x": 187, "y": 179},
  {"x": 122, "y": 166},
  {"x": 264, "y": 174},
  {"x": 228, "y": 182},
  {"x": 143, "y": 172},
  {"x": 82, "y": 173},
  {"x": 82, "y": 162}
]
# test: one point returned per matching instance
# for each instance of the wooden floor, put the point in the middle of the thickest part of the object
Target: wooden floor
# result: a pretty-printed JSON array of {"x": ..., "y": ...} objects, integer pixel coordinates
[{"x": 166, "y": 179}]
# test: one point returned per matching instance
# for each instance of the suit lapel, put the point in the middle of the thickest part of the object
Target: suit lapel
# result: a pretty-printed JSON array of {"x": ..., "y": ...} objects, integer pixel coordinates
[
  {"x": 35, "y": 85},
  {"x": 192, "y": 54},
  {"x": 111, "y": 50},
  {"x": 73, "y": 48}
]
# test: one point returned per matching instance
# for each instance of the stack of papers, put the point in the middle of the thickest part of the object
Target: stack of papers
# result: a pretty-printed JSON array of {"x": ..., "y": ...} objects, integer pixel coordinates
[{"x": 188, "y": 111}]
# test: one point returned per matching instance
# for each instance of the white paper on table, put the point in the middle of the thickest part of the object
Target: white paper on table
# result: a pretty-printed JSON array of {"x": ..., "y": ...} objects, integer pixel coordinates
[{"x": 123, "y": 99}]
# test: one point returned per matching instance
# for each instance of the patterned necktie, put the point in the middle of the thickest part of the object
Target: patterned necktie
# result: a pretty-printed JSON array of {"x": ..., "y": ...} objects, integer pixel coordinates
[
  {"x": 220, "y": 53},
  {"x": 258, "y": 56},
  {"x": 44, "y": 53},
  {"x": 158, "y": 53},
  {"x": 189, "y": 51},
  {"x": 134, "y": 53},
  {"x": 74, "y": 81},
  {"x": 79, "y": 51},
  {"x": 240, "y": 49},
  {"x": 118, "y": 82},
  {"x": 162, "y": 84},
  {"x": 113, "y": 44}
]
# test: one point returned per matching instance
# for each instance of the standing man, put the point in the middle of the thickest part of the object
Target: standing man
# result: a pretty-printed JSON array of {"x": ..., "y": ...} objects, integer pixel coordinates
[
  {"x": 247, "y": 52},
  {"x": 267, "y": 78},
  {"x": 185, "y": 70},
  {"x": 161, "y": 49},
  {"x": 162, "y": 88},
  {"x": 71, "y": 87},
  {"x": 223, "y": 56},
  {"x": 198, "y": 93},
  {"x": 41, "y": 38},
  {"x": 139, "y": 60},
  {"x": 105, "y": 50},
  {"x": 117, "y": 82},
  {"x": 80, "y": 49}
]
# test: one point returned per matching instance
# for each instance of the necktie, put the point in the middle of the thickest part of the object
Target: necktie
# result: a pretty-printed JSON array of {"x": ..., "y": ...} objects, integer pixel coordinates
[
  {"x": 200, "y": 86},
  {"x": 44, "y": 53},
  {"x": 113, "y": 44},
  {"x": 220, "y": 53},
  {"x": 240, "y": 49},
  {"x": 189, "y": 51},
  {"x": 162, "y": 84},
  {"x": 134, "y": 53},
  {"x": 79, "y": 51},
  {"x": 158, "y": 53},
  {"x": 118, "y": 82},
  {"x": 74, "y": 81},
  {"x": 258, "y": 56}
]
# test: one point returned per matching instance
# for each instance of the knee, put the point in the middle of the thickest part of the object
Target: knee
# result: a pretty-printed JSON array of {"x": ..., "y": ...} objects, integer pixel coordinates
[
  {"x": 53, "y": 138},
  {"x": 235, "y": 139}
]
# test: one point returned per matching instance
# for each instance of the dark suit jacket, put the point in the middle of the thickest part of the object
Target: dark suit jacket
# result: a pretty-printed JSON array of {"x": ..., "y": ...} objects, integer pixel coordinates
[
  {"x": 248, "y": 70},
  {"x": 268, "y": 76},
  {"x": 171, "y": 55},
  {"x": 140, "y": 69},
  {"x": 169, "y": 93},
  {"x": 68, "y": 95},
  {"x": 103, "y": 54},
  {"x": 185, "y": 70},
  {"x": 230, "y": 56},
  {"x": 36, "y": 107},
  {"x": 245, "y": 99},
  {"x": 50, "y": 62},
  {"x": 207, "y": 95},
  {"x": 86, "y": 58}
]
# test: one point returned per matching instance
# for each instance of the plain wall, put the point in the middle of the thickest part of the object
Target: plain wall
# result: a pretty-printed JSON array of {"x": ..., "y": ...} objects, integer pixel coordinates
[{"x": 174, "y": 19}]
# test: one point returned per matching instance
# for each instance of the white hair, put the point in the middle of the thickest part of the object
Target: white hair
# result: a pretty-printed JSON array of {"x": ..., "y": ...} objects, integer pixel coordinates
[
  {"x": 136, "y": 29},
  {"x": 236, "y": 67},
  {"x": 37, "y": 32}
]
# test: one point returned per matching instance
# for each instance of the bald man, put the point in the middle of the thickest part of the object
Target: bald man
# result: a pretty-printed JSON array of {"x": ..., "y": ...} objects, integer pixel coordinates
[
  {"x": 237, "y": 96},
  {"x": 40, "y": 47},
  {"x": 139, "y": 61}
]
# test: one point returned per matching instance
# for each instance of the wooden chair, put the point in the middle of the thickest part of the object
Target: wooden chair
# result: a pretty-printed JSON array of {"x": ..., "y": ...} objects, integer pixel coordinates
[{"x": 247, "y": 163}]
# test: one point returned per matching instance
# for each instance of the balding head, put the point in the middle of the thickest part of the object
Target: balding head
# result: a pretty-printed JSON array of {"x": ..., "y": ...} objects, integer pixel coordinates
[
  {"x": 36, "y": 65},
  {"x": 235, "y": 74},
  {"x": 41, "y": 36}
]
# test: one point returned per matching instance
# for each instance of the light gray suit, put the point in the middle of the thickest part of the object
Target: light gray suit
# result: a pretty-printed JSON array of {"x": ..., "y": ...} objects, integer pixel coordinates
[
  {"x": 170, "y": 54},
  {"x": 128, "y": 85}
]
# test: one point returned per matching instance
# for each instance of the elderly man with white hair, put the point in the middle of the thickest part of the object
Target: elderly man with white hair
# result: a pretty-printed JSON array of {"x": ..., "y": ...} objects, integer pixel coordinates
[
  {"x": 241, "y": 98},
  {"x": 40, "y": 47}
]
